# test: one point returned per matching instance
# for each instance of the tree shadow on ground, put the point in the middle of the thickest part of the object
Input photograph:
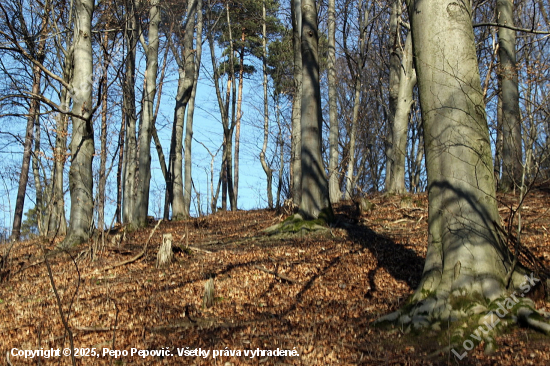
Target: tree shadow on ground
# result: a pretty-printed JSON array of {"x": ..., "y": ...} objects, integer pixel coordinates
[{"x": 401, "y": 263}]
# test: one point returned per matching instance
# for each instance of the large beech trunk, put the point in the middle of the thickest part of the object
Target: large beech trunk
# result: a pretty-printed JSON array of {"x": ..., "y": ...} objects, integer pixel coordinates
[
  {"x": 296, "y": 141},
  {"x": 465, "y": 256},
  {"x": 82, "y": 141}
]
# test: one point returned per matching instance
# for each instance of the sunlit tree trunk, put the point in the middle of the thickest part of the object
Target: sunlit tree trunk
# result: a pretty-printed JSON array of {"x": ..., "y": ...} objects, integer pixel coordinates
[
  {"x": 190, "y": 114},
  {"x": 512, "y": 155},
  {"x": 395, "y": 64},
  {"x": 82, "y": 141},
  {"x": 334, "y": 187},
  {"x": 315, "y": 201},
  {"x": 465, "y": 256},
  {"x": 147, "y": 117},
  {"x": 186, "y": 64},
  {"x": 399, "y": 127},
  {"x": 268, "y": 171},
  {"x": 296, "y": 139},
  {"x": 129, "y": 105}
]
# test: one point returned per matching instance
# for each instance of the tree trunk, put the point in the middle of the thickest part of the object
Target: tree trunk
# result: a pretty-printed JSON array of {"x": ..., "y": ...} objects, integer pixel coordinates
[
  {"x": 407, "y": 80},
  {"x": 395, "y": 72},
  {"x": 315, "y": 201},
  {"x": 512, "y": 156},
  {"x": 147, "y": 117},
  {"x": 296, "y": 139},
  {"x": 226, "y": 179},
  {"x": 268, "y": 171},
  {"x": 465, "y": 256},
  {"x": 82, "y": 141},
  {"x": 350, "y": 180},
  {"x": 281, "y": 144},
  {"x": 34, "y": 107},
  {"x": 102, "y": 182},
  {"x": 238, "y": 122},
  {"x": 334, "y": 187},
  {"x": 129, "y": 105},
  {"x": 27, "y": 151},
  {"x": 119, "y": 172},
  {"x": 36, "y": 175},
  {"x": 499, "y": 139},
  {"x": 186, "y": 83},
  {"x": 190, "y": 113},
  {"x": 57, "y": 222}
]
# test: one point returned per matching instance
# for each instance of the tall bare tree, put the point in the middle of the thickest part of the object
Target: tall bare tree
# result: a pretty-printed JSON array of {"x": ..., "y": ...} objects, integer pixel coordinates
[
  {"x": 315, "y": 201},
  {"x": 82, "y": 139},
  {"x": 36, "y": 47},
  {"x": 359, "y": 62},
  {"x": 190, "y": 114},
  {"x": 333, "y": 184},
  {"x": 147, "y": 119},
  {"x": 512, "y": 151},
  {"x": 185, "y": 58},
  {"x": 296, "y": 139}
]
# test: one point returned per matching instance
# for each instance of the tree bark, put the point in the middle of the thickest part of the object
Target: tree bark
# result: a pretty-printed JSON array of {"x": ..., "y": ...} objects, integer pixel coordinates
[
  {"x": 512, "y": 156},
  {"x": 350, "y": 179},
  {"x": 38, "y": 51},
  {"x": 39, "y": 200},
  {"x": 238, "y": 122},
  {"x": 465, "y": 256},
  {"x": 129, "y": 105},
  {"x": 315, "y": 200},
  {"x": 186, "y": 64},
  {"x": 190, "y": 114},
  {"x": 82, "y": 141},
  {"x": 399, "y": 127},
  {"x": 296, "y": 139},
  {"x": 102, "y": 181},
  {"x": 268, "y": 171},
  {"x": 395, "y": 64},
  {"x": 27, "y": 151},
  {"x": 334, "y": 187},
  {"x": 147, "y": 117}
]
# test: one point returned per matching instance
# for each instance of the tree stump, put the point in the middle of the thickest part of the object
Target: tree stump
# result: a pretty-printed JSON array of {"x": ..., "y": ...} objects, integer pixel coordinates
[
  {"x": 209, "y": 294},
  {"x": 165, "y": 255}
]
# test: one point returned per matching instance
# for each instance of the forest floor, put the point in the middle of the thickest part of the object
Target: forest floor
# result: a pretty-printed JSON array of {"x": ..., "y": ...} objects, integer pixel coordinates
[{"x": 315, "y": 294}]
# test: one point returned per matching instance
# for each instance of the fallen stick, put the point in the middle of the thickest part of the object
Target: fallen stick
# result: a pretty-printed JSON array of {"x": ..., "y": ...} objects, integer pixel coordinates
[
  {"x": 199, "y": 249},
  {"x": 282, "y": 277},
  {"x": 137, "y": 256}
]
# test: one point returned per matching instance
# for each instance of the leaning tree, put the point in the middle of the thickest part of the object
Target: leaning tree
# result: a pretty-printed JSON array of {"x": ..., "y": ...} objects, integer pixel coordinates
[{"x": 469, "y": 268}]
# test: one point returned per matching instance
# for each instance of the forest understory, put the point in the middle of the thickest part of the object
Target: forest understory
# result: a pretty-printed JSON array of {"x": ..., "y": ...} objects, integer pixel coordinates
[{"x": 317, "y": 292}]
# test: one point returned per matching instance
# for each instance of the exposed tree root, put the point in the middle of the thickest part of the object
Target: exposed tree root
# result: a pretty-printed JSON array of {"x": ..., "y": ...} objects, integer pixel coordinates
[
  {"x": 296, "y": 224},
  {"x": 470, "y": 318}
]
